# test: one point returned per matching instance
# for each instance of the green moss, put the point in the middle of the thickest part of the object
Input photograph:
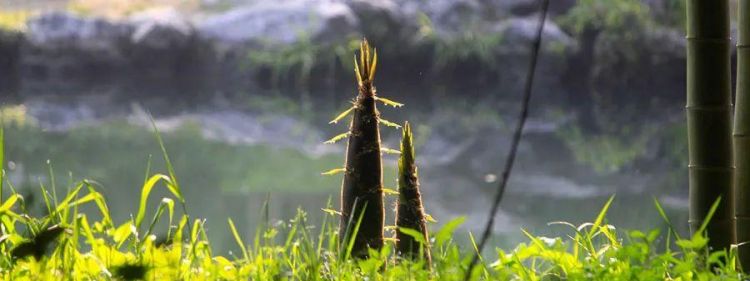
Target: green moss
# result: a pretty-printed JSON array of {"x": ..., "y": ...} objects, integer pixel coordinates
[
  {"x": 295, "y": 62},
  {"x": 619, "y": 15},
  {"x": 605, "y": 153},
  {"x": 468, "y": 46}
]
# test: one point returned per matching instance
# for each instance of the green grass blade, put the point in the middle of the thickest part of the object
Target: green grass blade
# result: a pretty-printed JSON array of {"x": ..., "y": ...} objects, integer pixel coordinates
[
  {"x": 146, "y": 190},
  {"x": 351, "y": 236},
  {"x": 666, "y": 219},
  {"x": 601, "y": 216},
  {"x": 238, "y": 239},
  {"x": 8, "y": 204},
  {"x": 709, "y": 215},
  {"x": 2, "y": 159},
  {"x": 170, "y": 169}
]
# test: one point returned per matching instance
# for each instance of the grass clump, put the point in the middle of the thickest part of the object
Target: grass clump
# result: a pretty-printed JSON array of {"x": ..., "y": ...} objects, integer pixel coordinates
[
  {"x": 162, "y": 242},
  {"x": 67, "y": 243},
  {"x": 300, "y": 63},
  {"x": 607, "y": 153}
]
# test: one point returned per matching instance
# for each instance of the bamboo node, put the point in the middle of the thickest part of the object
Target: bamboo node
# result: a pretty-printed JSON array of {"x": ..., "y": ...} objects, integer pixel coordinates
[
  {"x": 711, "y": 168},
  {"x": 709, "y": 40},
  {"x": 709, "y": 107}
]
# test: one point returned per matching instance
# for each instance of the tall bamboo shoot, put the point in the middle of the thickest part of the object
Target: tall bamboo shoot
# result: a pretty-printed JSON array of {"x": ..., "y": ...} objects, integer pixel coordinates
[
  {"x": 410, "y": 211},
  {"x": 362, "y": 188}
]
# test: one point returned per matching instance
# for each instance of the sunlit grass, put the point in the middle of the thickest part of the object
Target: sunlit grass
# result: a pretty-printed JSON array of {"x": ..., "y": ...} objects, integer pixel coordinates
[{"x": 166, "y": 244}]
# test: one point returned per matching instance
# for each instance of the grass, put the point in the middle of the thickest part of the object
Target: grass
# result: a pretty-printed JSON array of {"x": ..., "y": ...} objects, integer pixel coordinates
[
  {"x": 607, "y": 152},
  {"x": 164, "y": 243},
  {"x": 295, "y": 63}
]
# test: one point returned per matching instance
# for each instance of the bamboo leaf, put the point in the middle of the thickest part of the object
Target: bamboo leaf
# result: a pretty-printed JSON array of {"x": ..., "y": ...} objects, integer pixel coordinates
[
  {"x": 429, "y": 218},
  {"x": 331, "y": 211},
  {"x": 390, "y": 191},
  {"x": 356, "y": 71},
  {"x": 362, "y": 61},
  {"x": 389, "y": 150},
  {"x": 374, "y": 64},
  {"x": 389, "y": 123},
  {"x": 337, "y": 138},
  {"x": 341, "y": 115},
  {"x": 333, "y": 171},
  {"x": 389, "y": 102}
]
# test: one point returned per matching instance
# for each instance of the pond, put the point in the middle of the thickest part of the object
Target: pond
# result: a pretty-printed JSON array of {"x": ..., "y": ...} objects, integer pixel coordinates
[{"x": 232, "y": 156}]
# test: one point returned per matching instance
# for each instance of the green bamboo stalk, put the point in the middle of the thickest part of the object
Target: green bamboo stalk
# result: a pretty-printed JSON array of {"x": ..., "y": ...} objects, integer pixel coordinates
[
  {"x": 742, "y": 137},
  {"x": 709, "y": 118},
  {"x": 363, "y": 178},
  {"x": 410, "y": 212}
]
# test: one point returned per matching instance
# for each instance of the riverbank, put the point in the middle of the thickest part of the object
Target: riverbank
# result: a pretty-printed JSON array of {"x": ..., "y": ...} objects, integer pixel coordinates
[{"x": 308, "y": 44}]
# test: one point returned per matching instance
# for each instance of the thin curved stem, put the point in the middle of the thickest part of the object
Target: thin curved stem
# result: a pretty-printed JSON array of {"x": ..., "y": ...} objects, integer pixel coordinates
[{"x": 516, "y": 139}]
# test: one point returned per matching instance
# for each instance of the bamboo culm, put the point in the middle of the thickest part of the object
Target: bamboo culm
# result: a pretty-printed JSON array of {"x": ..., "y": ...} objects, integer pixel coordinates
[
  {"x": 362, "y": 188},
  {"x": 709, "y": 118},
  {"x": 742, "y": 137},
  {"x": 410, "y": 210}
]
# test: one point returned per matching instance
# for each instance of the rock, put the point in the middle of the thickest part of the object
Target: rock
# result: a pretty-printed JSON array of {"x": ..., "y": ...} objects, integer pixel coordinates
[
  {"x": 517, "y": 36},
  {"x": 10, "y": 50},
  {"x": 285, "y": 22},
  {"x": 160, "y": 29},
  {"x": 526, "y": 7},
  {"x": 446, "y": 16},
  {"x": 640, "y": 76},
  {"x": 63, "y": 48},
  {"x": 383, "y": 20},
  {"x": 150, "y": 49},
  {"x": 456, "y": 16},
  {"x": 64, "y": 30},
  {"x": 520, "y": 32},
  {"x": 164, "y": 48}
]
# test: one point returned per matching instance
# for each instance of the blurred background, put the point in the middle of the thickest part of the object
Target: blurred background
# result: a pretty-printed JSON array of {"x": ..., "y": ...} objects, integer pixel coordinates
[{"x": 243, "y": 90}]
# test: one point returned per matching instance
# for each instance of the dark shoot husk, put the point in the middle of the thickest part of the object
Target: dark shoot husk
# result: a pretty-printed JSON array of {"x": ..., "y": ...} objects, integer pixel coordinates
[
  {"x": 410, "y": 211},
  {"x": 363, "y": 179}
]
